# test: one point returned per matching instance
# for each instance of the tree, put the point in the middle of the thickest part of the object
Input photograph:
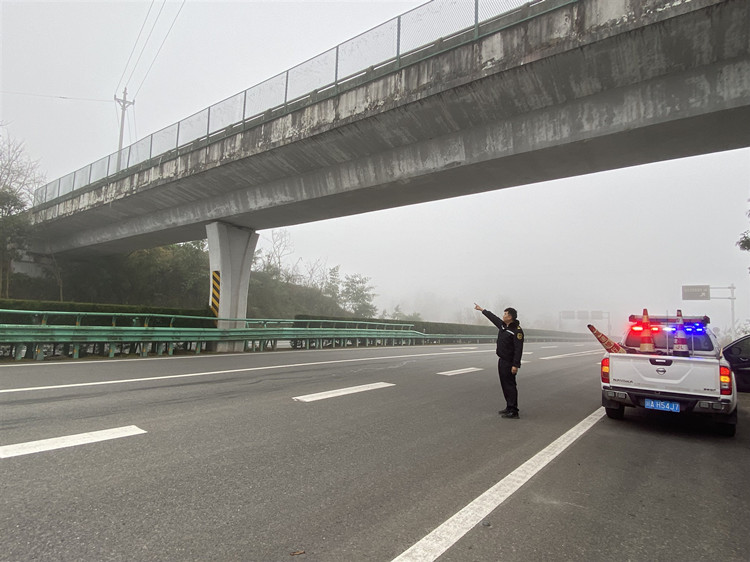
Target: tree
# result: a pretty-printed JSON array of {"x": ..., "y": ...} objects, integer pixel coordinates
[
  {"x": 14, "y": 228},
  {"x": 18, "y": 173},
  {"x": 744, "y": 241},
  {"x": 332, "y": 286},
  {"x": 272, "y": 260},
  {"x": 357, "y": 296},
  {"x": 19, "y": 177}
]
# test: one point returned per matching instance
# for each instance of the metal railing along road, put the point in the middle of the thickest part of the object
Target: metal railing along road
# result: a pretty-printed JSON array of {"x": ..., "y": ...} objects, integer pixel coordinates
[
  {"x": 418, "y": 34},
  {"x": 36, "y": 334}
]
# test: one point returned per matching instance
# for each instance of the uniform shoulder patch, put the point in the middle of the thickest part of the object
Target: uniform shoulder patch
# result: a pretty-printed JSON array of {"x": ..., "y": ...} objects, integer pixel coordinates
[{"x": 519, "y": 335}]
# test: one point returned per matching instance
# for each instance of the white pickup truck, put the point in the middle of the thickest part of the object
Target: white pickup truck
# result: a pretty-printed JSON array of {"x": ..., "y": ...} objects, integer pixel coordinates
[{"x": 695, "y": 380}]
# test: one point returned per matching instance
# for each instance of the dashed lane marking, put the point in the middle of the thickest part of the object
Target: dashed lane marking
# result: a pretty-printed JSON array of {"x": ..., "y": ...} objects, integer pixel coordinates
[
  {"x": 446, "y": 535},
  {"x": 42, "y": 445},
  {"x": 241, "y": 370},
  {"x": 342, "y": 392},
  {"x": 460, "y": 371}
]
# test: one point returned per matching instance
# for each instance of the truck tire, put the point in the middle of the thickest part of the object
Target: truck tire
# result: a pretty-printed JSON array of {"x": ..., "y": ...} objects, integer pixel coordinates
[
  {"x": 616, "y": 413},
  {"x": 726, "y": 429}
]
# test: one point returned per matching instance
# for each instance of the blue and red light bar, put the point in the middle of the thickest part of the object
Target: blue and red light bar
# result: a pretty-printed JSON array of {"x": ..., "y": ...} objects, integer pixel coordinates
[{"x": 697, "y": 321}]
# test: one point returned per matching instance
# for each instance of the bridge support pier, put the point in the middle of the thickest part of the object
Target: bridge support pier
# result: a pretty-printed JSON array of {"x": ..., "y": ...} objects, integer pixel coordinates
[{"x": 230, "y": 252}]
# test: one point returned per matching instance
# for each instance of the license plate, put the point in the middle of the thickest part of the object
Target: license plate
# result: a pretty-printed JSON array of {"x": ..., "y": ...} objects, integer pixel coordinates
[{"x": 663, "y": 405}]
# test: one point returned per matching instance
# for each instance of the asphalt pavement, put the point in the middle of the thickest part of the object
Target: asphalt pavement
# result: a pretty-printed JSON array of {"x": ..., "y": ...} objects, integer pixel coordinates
[{"x": 356, "y": 454}]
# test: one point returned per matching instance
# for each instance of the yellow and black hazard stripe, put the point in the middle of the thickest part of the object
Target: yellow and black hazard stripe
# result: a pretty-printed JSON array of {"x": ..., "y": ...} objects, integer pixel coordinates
[{"x": 215, "y": 291}]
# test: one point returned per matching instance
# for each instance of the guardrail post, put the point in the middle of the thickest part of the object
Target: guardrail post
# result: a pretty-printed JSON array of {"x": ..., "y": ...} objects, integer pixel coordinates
[
  {"x": 144, "y": 344},
  {"x": 76, "y": 346}
]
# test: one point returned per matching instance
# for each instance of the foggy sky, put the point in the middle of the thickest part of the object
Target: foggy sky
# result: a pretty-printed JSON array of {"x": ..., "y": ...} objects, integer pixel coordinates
[{"x": 615, "y": 241}]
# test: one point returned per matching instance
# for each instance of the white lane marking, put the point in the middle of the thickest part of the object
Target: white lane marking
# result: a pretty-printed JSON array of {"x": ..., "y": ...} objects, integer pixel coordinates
[
  {"x": 446, "y": 535},
  {"x": 243, "y": 370},
  {"x": 576, "y": 354},
  {"x": 549, "y": 347},
  {"x": 455, "y": 348},
  {"x": 30, "y": 447},
  {"x": 341, "y": 392},
  {"x": 460, "y": 371},
  {"x": 528, "y": 353}
]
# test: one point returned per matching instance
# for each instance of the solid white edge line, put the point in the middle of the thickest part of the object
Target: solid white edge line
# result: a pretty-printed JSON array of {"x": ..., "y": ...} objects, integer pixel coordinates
[
  {"x": 446, "y": 535},
  {"x": 575, "y": 354},
  {"x": 42, "y": 445},
  {"x": 341, "y": 392},
  {"x": 460, "y": 371}
]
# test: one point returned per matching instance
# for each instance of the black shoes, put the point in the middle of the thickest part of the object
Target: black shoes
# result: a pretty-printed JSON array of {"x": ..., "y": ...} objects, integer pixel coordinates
[
  {"x": 510, "y": 415},
  {"x": 505, "y": 411}
]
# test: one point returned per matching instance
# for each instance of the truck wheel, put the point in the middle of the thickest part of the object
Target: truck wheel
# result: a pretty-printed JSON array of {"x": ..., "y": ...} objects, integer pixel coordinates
[
  {"x": 727, "y": 429},
  {"x": 616, "y": 413}
]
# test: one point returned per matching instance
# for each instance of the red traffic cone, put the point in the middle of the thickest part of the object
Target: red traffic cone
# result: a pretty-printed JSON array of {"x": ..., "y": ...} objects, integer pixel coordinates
[
  {"x": 647, "y": 338},
  {"x": 680, "y": 339},
  {"x": 610, "y": 345}
]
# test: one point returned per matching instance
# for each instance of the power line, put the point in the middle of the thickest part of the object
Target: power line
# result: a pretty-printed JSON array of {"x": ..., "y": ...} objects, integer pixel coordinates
[
  {"x": 53, "y": 97},
  {"x": 160, "y": 46},
  {"x": 143, "y": 48},
  {"x": 124, "y": 70}
]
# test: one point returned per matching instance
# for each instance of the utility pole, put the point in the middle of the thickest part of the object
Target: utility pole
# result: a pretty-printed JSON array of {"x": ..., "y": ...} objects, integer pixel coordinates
[{"x": 124, "y": 104}]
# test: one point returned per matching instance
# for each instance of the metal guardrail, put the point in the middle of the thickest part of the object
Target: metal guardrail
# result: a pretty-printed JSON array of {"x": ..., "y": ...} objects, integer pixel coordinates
[
  {"x": 141, "y": 336},
  {"x": 420, "y": 33}
]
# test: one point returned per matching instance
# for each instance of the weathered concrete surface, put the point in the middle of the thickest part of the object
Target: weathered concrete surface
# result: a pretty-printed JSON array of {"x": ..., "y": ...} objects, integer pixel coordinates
[
  {"x": 590, "y": 86},
  {"x": 231, "y": 253}
]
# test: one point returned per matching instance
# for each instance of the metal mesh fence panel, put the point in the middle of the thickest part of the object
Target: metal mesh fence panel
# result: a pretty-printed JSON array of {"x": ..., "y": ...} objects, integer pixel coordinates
[
  {"x": 112, "y": 163},
  {"x": 123, "y": 159},
  {"x": 368, "y": 49},
  {"x": 265, "y": 95},
  {"x": 66, "y": 184},
  {"x": 194, "y": 127},
  {"x": 164, "y": 140},
  {"x": 99, "y": 169},
  {"x": 489, "y": 9},
  {"x": 82, "y": 177},
  {"x": 312, "y": 75},
  {"x": 226, "y": 113},
  {"x": 140, "y": 151},
  {"x": 47, "y": 193},
  {"x": 429, "y": 22}
]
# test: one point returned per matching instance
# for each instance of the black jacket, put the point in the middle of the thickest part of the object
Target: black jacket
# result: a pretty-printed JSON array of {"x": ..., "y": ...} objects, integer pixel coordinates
[{"x": 509, "y": 339}]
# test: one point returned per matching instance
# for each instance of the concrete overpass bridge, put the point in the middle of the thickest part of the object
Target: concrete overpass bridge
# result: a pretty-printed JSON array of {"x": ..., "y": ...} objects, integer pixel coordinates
[{"x": 552, "y": 89}]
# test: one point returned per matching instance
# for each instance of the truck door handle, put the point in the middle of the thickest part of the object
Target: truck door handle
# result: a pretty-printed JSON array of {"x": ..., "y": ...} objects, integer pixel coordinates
[{"x": 666, "y": 362}]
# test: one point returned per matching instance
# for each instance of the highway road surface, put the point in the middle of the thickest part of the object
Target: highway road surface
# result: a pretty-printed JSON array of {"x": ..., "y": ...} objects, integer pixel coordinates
[{"x": 381, "y": 454}]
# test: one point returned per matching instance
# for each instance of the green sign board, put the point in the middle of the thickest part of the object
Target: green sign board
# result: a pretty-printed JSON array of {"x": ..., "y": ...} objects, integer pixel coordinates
[{"x": 696, "y": 293}]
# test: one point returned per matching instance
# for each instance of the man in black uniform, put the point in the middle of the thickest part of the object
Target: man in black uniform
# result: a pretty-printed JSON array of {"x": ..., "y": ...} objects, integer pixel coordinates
[{"x": 509, "y": 351}]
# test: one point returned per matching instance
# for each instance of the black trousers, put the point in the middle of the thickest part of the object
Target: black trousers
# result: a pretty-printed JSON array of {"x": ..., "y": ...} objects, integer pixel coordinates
[{"x": 508, "y": 383}]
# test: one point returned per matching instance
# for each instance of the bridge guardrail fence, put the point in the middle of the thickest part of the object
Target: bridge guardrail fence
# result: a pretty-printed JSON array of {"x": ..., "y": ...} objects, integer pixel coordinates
[{"x": 413, "y": 36}]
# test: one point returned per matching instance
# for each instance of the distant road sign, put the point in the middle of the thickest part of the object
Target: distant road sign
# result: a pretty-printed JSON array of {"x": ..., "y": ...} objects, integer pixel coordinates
[
  {"x": 696, "y": 293},
  {"x": 568, "y": 315}
]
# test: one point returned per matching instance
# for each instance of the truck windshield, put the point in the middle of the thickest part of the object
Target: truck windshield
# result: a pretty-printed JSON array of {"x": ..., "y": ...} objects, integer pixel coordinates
[{"x": 664, "y": 339}]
